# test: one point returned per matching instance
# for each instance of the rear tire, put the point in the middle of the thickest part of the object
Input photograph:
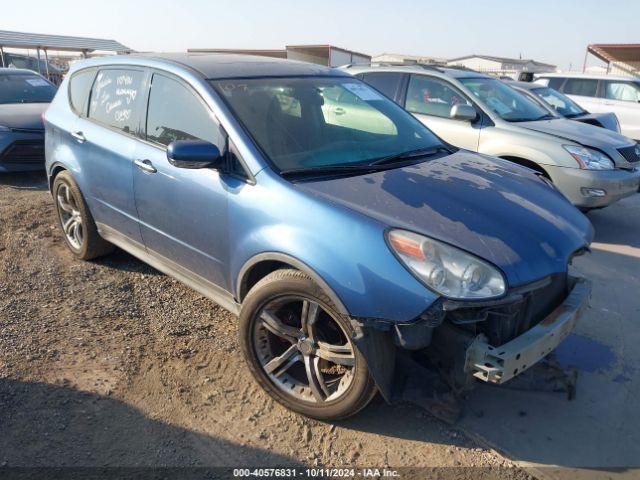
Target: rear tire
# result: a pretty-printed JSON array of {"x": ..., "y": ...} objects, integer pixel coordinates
[
  {"x": 289, "y": 329},
  {"x": 76, "y": 222}
]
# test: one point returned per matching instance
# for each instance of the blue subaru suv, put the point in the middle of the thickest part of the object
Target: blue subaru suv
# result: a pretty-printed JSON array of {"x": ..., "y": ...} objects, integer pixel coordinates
[{"x": 336, "y": 226}]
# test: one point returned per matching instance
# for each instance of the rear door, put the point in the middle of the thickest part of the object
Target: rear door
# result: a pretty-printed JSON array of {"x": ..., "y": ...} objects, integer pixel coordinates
[
  {"x": 108, "y": 138},
  {"x": 585, "y": 93},
  {"x": 388, "y": 83},
  {"x": 430, "y": 100},
  {"x": 183, "y": 213},
  {"x": 622, "y": 97}
]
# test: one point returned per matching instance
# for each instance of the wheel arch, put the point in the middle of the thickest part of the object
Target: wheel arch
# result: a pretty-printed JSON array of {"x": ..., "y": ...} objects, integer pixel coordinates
[
  {"x": 53, "y": 172},
  {"x": 260, "y": 265},
  {"x": 526, "y": 163}
]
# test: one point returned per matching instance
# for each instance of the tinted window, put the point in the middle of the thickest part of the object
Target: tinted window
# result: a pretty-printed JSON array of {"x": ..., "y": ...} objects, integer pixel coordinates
[
  {"x": 330, "y": 121},
  {"x": 432, "y": 96},
  {"x": 79, "y": 87},
  {"x": 25, "y": 88},
  {"x": 175, "y": 113},
  {"x": 387, "y": 83},
  {"x": 555, "y": 82},
  {"x": 581, "y": 86},
  {"x": 625, "y": 91},
  {"x": 116, "y": 98}
]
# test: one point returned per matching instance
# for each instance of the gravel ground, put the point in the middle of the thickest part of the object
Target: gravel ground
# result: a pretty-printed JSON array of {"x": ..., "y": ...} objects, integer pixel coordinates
[{"x": 110, "y": 363}]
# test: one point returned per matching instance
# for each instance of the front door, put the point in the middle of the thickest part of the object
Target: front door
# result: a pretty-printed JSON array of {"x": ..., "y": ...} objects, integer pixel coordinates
[
  {"x": 182, "y": 212},
  {"x": 622, "y": 97},
  {"x": 430, "y": 99}
]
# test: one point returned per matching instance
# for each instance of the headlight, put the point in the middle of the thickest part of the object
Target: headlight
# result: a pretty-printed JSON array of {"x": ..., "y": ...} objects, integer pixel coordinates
[
  {"x": 589, "y": 159},
  {"x": 449, "y": 271},
  {"x": 4, "y": 129}
]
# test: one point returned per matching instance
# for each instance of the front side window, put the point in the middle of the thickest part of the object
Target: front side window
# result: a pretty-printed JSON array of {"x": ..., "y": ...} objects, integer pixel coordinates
[
  {"x": 116, "y": 98},
  {"x": 385, "y": 82},
  {"x": 560, "y": 103},
  {"x": 175, "y": 113},
  {"x": 79, "y": 87},
  {"x": 584, "y": 87},
  {"x": 504, "y": 101},
  {"x": 25, "y": 88},
  {"x": 336, "y": 121},
  {"x": 431, "y": 96},
  {"x": 625, "y": 91}
]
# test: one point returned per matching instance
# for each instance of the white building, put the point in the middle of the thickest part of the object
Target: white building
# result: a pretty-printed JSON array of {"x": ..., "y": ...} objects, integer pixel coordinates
[
  {"x": 500, "y": 66},
  {"x": 407, "y": 59},
  {"x": 328, "y": 55}
]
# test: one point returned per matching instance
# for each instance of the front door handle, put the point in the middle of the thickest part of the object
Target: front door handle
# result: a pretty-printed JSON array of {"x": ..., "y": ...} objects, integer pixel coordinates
[
  {"x": 79, "y": 136},
  {"x": 145, "y": 165}
]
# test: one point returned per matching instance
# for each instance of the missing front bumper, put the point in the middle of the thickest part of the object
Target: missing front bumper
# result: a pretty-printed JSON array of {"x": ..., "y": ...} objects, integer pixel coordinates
[{"x": 500, "y": 364}]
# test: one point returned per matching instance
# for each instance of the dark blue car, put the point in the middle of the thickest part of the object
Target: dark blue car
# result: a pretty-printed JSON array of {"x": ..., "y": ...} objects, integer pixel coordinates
[
  {"x": 339, "y": 228},
  {"x": 24, "y": 96}
]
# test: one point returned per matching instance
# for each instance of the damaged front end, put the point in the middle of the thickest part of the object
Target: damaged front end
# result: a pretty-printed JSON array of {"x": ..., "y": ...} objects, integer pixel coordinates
[{"x": 492, "y": 341}]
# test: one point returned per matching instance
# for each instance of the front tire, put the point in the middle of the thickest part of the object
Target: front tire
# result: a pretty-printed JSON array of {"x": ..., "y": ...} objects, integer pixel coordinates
[
  {"x": 299, "y": 348},
  {"x": 78, "y": 227}
]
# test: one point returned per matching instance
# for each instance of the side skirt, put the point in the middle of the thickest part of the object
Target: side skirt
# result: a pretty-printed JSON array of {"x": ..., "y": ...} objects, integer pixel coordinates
[{"x": 196, "y": 282}]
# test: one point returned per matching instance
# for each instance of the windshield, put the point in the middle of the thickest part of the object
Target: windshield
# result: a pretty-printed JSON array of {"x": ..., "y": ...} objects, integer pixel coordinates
[
  {"x": 504, "y": 101},
  {"x": 25, "y": 88},
  {"x": 560, "y": 103},
  {"x": 315, "y": 122}
]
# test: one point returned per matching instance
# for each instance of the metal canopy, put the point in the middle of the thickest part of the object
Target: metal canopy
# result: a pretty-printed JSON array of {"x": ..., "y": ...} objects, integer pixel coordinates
[
  {"x": 616, "y": 52},
  {"x": 59, "y": 42}
]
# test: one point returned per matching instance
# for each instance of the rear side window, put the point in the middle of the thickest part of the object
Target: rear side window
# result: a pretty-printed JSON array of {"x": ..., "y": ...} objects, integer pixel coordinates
[
  {"x": 581, "y": 86},
  {"x": 79, "y": 87},
  {"x": 116, "y": 97},
  {"x": 555, "y": 82},
  {"x": 431, "y": 96},
  {"x": 387, "y": 83},
  {"x": 176, "y": 113}
]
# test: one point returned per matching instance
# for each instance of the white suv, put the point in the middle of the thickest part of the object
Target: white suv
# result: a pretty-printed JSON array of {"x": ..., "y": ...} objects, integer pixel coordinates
[{"x": 600, "y": 94}]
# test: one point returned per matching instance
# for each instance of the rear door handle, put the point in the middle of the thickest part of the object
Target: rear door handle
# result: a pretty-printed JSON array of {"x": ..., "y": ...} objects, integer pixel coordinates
[
  {"x": 145, "y": 165},
  {"x": 339, "y": 111},
  {"x": 79, "y": 136}
]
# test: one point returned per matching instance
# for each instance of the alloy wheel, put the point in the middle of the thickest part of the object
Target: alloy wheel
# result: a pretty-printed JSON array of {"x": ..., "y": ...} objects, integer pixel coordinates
[
  {"x": 70, "y": 216},
  {"x": 304, "y": 351}
]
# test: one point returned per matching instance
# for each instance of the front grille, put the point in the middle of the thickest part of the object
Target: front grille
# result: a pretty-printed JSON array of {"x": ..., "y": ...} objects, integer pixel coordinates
[
  {"x": 630, "y": 154},
  {"x": 505, "y": 321},
  {"x": 24, "y": 151}
]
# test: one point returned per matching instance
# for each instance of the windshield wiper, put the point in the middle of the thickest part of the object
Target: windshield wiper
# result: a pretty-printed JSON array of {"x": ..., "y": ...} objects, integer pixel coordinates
[
  {"x": 326, "y": 169},
  {"x": 410, "y": 155},
  {"x": 548, "y": 116},
  {"x": 383, "y": 163}
]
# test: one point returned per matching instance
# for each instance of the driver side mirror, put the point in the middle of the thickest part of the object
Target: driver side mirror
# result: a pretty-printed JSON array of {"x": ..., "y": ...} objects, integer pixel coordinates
[
  {"x": 194, "y": 154},
  {"x": 463, "y": 112}
]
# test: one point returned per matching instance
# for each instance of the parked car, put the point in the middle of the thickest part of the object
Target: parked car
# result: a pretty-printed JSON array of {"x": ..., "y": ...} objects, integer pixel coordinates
[
  {"x": 48, "y": 69},
  {"x": 561, "y": 105},
  {"x": 24, "y": 96},
  {"x": 602, "y": 93},
  {"x": 591, "y": 166},
  {"x": 336, "y": 244}
]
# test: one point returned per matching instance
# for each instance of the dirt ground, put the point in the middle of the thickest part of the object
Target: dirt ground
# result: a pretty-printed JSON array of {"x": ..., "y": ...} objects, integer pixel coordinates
[{"x": 111, "y": 363}]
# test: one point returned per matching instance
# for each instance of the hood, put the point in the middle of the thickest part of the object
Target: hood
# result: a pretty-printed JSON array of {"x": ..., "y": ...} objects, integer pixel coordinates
[
  {"x": 604, "y": 120},
  {"x": 23, "y": 115},
  {"x": 492, "y": 208},
  {"x": 582, "y": 133}
]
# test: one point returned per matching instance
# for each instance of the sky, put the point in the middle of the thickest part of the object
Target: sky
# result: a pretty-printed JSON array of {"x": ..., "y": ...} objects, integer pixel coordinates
[{"x": 556, "y": 32}]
